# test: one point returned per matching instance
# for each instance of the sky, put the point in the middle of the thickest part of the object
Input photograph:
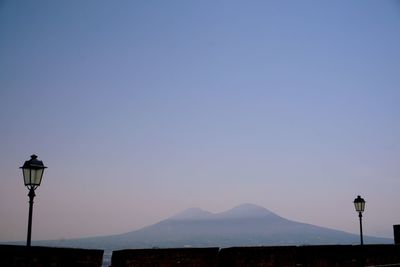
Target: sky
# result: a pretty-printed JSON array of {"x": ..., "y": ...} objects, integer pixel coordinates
[{"x": 141, "y": 109}]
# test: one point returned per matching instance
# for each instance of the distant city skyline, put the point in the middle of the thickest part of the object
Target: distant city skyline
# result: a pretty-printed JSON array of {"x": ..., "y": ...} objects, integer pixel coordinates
[{"x": 141, "y": 109}]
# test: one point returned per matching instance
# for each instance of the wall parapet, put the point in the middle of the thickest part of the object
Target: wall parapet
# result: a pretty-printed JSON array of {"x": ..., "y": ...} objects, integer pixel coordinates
[
  {"x": 279, "y": 256},
  {"x": 194, "y": 257},
  {"x": 22, "y": 256}
]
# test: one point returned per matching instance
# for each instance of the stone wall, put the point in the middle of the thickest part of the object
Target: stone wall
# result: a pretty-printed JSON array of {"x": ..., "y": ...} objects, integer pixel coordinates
[
  {"x": 179, "y": 257},
  {"x": 396, "y": 231},
  {"x": 257, "y": 256},
  {"x": 21, "y": 256},
  {"x": 285, "y": 256}
]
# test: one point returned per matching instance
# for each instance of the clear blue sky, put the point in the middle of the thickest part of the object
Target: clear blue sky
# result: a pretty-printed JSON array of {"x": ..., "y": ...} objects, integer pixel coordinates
[{"x": 141, "y": 109}]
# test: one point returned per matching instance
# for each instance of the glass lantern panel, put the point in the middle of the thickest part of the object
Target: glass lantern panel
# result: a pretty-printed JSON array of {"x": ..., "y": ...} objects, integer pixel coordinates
[
  {"x": 362, "y": 206},
  {"x": 37, "y": 176},
  {"x": 359, "y": 206},
  {"x": 27, "y": 176}
]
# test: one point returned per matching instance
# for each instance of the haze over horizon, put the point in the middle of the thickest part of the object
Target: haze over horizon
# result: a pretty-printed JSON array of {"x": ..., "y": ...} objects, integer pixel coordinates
[
  {"x": 243, "y": 225},
  {"x": 141, "y": 109}
]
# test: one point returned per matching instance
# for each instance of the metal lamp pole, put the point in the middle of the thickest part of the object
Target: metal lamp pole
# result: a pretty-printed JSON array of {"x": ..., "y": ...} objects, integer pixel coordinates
[
  {"x": 32, "y": 171},
  {"x": 361, "y": 231},
  {"x": 359, "y": 204},
  {"x": 31, "y": 195}
]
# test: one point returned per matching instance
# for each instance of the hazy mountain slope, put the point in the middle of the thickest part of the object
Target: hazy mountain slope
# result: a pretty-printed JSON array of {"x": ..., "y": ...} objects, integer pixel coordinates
[{"x": 244, "y": 225}]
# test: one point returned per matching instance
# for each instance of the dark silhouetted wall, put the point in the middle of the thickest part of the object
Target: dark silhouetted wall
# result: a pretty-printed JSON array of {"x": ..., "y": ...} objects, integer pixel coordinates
[
  {"x": 396, "y": 230},
  {"x": 21, "y": 256},
  {"x": 310, "y": 256},
  {"x": 182, "y": 257}
]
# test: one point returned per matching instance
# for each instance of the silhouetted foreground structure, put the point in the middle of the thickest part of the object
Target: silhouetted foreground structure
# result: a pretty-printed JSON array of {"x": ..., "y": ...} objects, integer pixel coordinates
[
  {"x": 166, "y": 257},
  {"x": 396, "y": 230},
  {"x": 310, "y": 256},
  {"x": 288, "y": 256},
  {"x": 21, "y": 256}
]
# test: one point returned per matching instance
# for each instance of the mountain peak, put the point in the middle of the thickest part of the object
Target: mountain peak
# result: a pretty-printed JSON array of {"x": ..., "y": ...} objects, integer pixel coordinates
[
  {"x": 249, "y": 206},
  {"x": 192, "y": 214},
  {"x": 247, "y": 210}
]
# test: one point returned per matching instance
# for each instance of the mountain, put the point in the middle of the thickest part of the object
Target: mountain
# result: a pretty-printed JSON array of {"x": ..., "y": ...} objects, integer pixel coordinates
[
  {"x": 247, "y": 211},
  {"x": 192, "y": 214},
  {"x": 244, "y": 225}
]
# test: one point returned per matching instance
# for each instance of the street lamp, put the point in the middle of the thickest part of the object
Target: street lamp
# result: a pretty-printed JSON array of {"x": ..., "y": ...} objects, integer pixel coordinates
[
  {"x": 33, "y": 171},
  {"x": 359, "y": 204}
]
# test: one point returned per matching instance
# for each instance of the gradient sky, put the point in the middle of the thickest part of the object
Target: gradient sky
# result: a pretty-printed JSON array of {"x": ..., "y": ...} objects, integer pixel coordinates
[{"x": 141, "y": 109}]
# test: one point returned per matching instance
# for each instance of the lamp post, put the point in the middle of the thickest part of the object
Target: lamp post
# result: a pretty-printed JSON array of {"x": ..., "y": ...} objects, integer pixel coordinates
[
  {"x": 32, "y": 171},
  {"x": 359, "y": 204}
]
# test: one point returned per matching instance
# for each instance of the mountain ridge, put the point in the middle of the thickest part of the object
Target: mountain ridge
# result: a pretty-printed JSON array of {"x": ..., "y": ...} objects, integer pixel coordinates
[
  {"x": 246, "y": 209},
  {"x": 191, "y": 213},
  {"x": 243, "y": 225}
]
